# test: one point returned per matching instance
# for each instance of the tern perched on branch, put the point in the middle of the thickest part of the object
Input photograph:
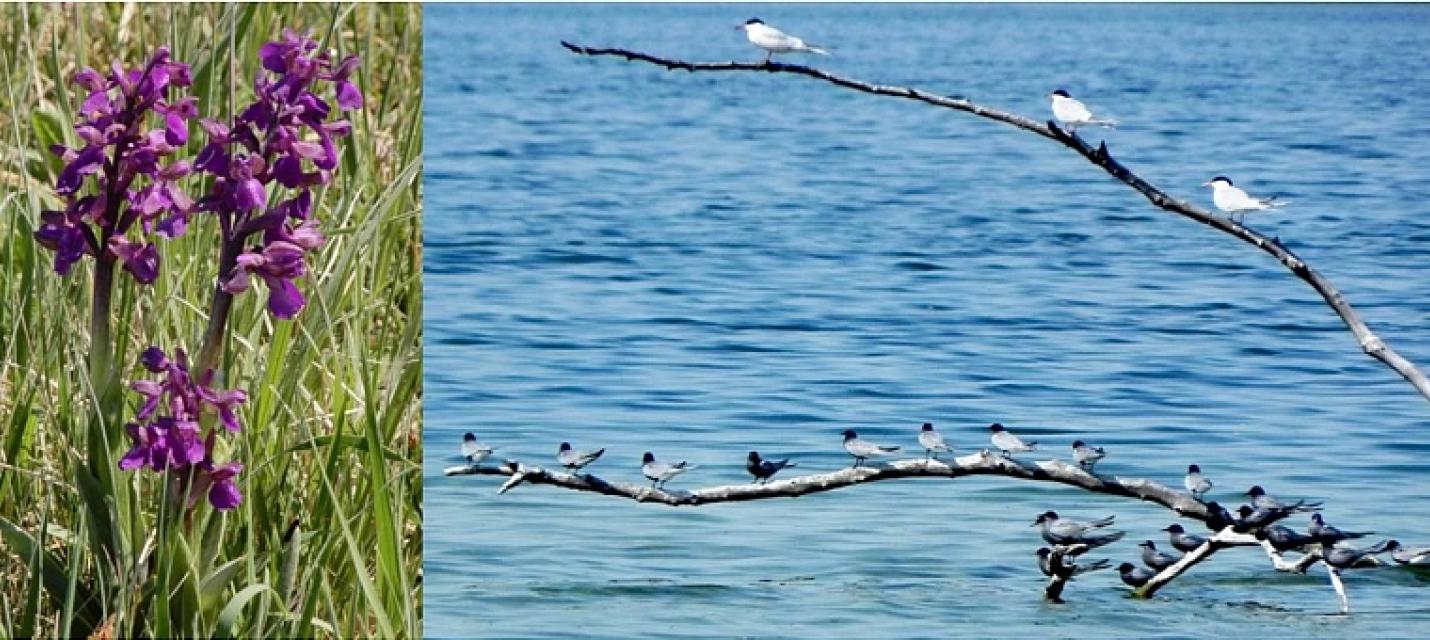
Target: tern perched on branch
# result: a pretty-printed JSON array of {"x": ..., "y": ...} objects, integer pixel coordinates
[
  {"x": 774, "y": 41},
  {"x": 1073, "y": 113},
  {"x": 660, "y": 472},
  {"x": 473, "y": 450},
  {"x": 574, "y": 459},
  {"x": 763, "y": 469},
  {"x": 1065, "y": 532},
  {"x": 1087, "y": 455},
  {"x": 1156, "y": 559},
  {"x": 1008, "y": 443},
  {"x": 1181, "y": 540},
  {"x": 1196, "y": 482},
  {"x": 862, "y": 449},
  {"x": 1231, "y": 199},
  {"x": 932, "y": 442}
]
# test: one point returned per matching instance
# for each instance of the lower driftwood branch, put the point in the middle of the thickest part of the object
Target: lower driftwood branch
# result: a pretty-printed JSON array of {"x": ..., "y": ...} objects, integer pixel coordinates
[
  {"x": 1371, "y": 344},
  {"x": 1223, "y": 539},
  {"x": 981, "y": 463}
]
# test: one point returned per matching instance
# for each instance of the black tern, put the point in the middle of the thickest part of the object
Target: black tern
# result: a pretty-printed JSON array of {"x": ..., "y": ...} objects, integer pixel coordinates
[
  {"x": 1045, "y": 564},
  {"x": 1086, "y": 456},
  {"x": 862, "y": 449},
  {"x": 573, "y": 459},
  {"x": 1413, "y": 556},
  {"x": 1329, "y": 535},
  {"x": 660, "y": 472},
  {"x": 1260, "y": 517},
  {"x": 1196, "y": 483},
  {"x": 1347, "y": 557},
  {"x": 1133, "y": 575},
  {"x": 762, "y": 469},
  {"x": 932, "y": 442},
  {"x": 1283, "y": 538},
  {"x": 1218, "y": 517},
  {"x": 1065, "y": 532},
  {"x": 1181, "y": 540},
  {"x": 1261, "y": 500},
  {"x": 474, "y": 451},
  {"x": 1154, "y": 558},
  {"x": 1008, "y": 443}
]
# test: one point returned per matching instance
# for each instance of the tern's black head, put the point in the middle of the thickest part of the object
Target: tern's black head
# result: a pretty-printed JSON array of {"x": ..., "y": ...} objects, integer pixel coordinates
[
  {"x": 1078, "y": 443},
  {"x": 1191, "y": 468},
  {"x": 1316, "y": 517},
  {"x": 1245, "y": 510},
  {"x": 648, "y": 457},
  {"x": 1222, "y": 179},
  {"x": 469, "y": 437},
  {"x": 565, "y": 446},
  {"x": 1174, "y": 528},
  {"x": 995, "y": 427},
  {"x": 928, "y": 426},
  {"x": 1043, "y": 552},
  {"x": 1061, "y": 94},
  {"x": 1125, "y": 567},
  {"x": 1392, "y": 545},
  {"x": 1147, "y": 543},
  {"x": 850, "y": 435},
  {"x": 754, "y": 457},
  {"x": 754, "y": 21},
  {"x": 1255, "y": 491},
  {"x": 1046, "y": 516}
]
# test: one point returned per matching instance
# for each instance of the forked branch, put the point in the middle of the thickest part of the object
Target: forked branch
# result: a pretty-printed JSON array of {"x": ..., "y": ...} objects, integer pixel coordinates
[{"x": 1371, "y": 344}]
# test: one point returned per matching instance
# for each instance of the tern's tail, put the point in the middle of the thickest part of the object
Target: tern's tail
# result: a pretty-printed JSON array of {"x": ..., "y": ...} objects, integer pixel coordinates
[
  {"x": 1103, "y": 522},
  {"x": 1098, "y": 541},
  {"x": 1103, "y": 122},
  {"x": 1379, "y": 547},
  {"x": 1095, "y": 565},
  {"x": 809, "y": 48}
]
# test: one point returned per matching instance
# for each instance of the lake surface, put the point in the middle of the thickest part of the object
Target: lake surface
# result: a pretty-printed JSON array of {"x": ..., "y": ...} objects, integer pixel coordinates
[{"x": 704, "y": 264}]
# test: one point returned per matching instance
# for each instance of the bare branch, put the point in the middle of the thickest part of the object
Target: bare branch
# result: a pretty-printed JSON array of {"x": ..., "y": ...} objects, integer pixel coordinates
[
  {"x": 1335, "y": 576},
  {"x": 1223, "y": 539},
  {"x": 1371, "y": 344},
  {"x": 981, "y": 463}
]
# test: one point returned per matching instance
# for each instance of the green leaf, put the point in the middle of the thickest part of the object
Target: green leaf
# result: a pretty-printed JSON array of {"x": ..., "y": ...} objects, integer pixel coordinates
[
  {"x": 49, "y": 131},
  {"x": 229, "y": 616},
  {"x": 216, "y": 582}
]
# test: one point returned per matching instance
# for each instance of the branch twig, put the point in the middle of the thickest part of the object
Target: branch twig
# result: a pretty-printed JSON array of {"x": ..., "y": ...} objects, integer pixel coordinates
[{"x": 1371, "y": 344}]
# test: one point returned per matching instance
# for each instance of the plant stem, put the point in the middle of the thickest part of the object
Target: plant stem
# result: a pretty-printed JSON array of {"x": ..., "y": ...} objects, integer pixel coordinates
[
  {"x": 101, "y": 349},
  {"x": 214, "y": 336}
]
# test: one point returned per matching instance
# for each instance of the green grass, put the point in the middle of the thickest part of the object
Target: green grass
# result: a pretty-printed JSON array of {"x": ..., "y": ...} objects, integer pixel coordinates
[{"x": 331, "y": 429}]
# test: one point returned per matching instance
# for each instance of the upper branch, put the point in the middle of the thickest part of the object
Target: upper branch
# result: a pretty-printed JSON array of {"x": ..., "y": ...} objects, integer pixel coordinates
[
  {"x": 1371, "y": 344},
  {"x": 982, "y": 463}
]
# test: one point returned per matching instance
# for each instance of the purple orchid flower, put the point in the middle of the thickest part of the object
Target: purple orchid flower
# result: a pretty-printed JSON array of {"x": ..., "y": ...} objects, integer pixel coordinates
[
  {"x": 283, "y": 140},
  {"x": 120, "y": 163},
  {"x": 166, "y": 432}
]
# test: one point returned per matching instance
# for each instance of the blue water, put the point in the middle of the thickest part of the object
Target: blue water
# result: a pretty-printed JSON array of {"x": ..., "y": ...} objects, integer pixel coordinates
[{"x": 704, "y": 264}]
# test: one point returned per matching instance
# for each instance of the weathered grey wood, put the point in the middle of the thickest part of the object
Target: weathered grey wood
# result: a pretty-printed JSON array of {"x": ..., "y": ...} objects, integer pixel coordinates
[
  {"x": 1221, "y": 540},
  {"x": 981, "y": 463},
  {"x": 1369, "y": 342}
]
